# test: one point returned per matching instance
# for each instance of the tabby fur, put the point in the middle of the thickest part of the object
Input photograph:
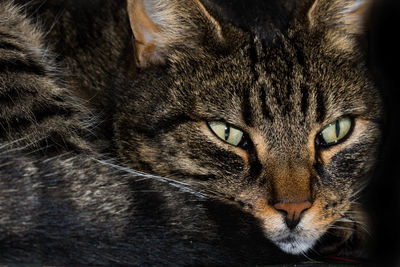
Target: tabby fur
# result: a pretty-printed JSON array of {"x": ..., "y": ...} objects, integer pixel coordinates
[{"x": 69, "y": 191}]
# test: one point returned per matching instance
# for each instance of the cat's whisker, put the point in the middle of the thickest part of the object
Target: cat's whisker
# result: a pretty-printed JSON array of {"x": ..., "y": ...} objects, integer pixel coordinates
[
  {"x": 330, "y": 231},
  {"x": 199, "y": 186},
  {"x": 354, "y": 199},
  {"x": 356, "y": 212},
  {"x": 360, "y": 189},
  {"x": 362, "y": 225},
  {"x": 29, "y": 144},
  {"x": 185, "y": 187},
  {"x": 341, "y": 228},
  {"x": 366, "y": 230},
  {"x": 355, "y": 215},
  {"x": 39, "y": 6},
  {"x": 345, "y": 220},
  {"x": 56, "y": 19},
  {"x": 306, "y": 256},
  {"x": 8, "y": 144},
  {"x": 313, "y": 251}
]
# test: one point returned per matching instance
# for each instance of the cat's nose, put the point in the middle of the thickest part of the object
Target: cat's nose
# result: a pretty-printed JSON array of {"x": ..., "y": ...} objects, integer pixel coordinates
[{"x": 293, "y": 211}]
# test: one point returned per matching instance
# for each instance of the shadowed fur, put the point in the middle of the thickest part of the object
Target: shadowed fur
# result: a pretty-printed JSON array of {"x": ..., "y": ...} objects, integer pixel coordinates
[{"x": 189, "y": 64}]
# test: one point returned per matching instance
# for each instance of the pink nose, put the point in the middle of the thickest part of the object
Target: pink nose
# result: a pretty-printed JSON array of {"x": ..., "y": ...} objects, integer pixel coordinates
[{"x": 293, "y": 211}]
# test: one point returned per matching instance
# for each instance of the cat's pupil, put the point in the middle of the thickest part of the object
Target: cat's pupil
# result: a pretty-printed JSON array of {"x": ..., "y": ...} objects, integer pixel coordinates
[
  {"x": 337, "y": 129},
  {"x": 227, "y": 131}
]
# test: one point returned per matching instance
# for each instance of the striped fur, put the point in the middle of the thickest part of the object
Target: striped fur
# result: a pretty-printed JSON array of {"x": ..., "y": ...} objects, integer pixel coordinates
[
  {"x": 281, "y": 90},
  {"x": 204, "y": 201},
  {"x": 63, "y": 203},
  {"x": 36, "y": 109}
]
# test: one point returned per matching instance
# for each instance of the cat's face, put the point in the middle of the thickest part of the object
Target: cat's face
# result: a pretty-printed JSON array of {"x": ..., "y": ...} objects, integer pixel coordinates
[{"x": 288, "y": 129}]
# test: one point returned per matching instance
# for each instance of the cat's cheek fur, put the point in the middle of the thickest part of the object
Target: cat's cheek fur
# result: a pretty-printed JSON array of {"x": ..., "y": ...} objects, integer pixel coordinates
[{"x": 200, "y": 157}]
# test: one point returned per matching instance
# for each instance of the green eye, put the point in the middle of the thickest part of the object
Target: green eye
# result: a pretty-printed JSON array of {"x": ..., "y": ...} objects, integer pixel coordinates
[
  {"x": 227, "y": 132},
  {"x": 334, "y": 132}
]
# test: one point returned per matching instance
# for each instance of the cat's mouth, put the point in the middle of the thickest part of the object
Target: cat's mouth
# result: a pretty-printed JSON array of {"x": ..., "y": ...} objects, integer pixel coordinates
[
  {"x": 294, "y": 241},
  {"x": 297, "y": 240}
]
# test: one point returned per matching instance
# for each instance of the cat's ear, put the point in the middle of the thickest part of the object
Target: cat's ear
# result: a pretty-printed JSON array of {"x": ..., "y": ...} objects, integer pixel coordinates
[
  {"x": 159, "y": 26},
  {"x": 342, "y": 20}
]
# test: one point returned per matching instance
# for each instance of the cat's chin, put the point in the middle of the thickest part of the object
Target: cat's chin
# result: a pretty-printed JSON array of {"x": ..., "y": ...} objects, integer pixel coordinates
[{"x": 294, "y": 245}]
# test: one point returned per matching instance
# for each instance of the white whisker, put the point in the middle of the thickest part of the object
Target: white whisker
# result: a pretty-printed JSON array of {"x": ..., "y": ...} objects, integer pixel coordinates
[
  {"x": 185, "y": 187},
  {"x": 13, "y": 142}
]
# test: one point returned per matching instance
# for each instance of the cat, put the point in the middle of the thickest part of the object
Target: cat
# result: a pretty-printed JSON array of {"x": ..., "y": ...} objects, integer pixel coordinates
[
  {"x": 64, "y": 202},
  {"x": 276, "y": 100},
  {"x": 259, "y": 142}
]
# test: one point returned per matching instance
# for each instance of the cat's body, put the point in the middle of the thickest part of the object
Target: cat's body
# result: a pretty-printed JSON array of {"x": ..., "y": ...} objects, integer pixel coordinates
[
  {"x": 65, "y": 202},
  {"x": 59, "y": 204}
]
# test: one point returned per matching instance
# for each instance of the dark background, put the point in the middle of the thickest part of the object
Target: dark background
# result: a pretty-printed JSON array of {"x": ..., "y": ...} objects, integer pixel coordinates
[{"x": 384, "y": 199}]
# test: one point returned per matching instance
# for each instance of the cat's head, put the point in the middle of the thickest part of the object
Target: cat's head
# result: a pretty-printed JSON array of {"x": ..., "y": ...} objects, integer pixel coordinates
[{"x": 288, "y": 127}]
